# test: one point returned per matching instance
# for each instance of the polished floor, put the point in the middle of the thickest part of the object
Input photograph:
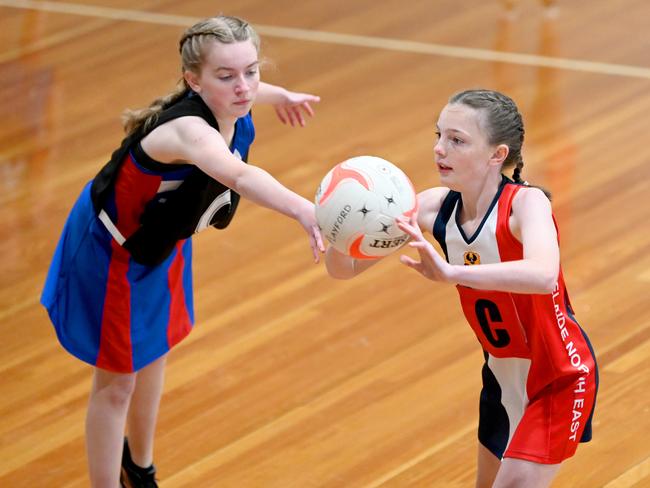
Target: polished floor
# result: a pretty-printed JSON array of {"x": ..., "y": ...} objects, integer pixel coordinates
[{"x": 292, "y": 379}]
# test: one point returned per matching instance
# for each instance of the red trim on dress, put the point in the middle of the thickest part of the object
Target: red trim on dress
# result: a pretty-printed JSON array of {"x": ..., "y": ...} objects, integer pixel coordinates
[
  {"x": 179, "y": 320},
  {"x": 115, "y": 341}
]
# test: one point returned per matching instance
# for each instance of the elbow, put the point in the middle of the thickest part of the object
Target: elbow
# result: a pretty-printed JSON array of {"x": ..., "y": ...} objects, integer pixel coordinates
[
  {"x": 340, "y": 276},
  {"x": 339, "y": 273},
  {"x": 545, "y": 289},
  {"x": 548, "y": 282},
  {"x": 243, "y": 180},
  {"x": 238, "y": 184},
  {"x": 338, "y": 266}
]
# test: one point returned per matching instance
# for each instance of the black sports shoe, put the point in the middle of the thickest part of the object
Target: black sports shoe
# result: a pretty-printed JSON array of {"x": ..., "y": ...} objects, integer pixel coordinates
[{"x": 132, "y": 475}]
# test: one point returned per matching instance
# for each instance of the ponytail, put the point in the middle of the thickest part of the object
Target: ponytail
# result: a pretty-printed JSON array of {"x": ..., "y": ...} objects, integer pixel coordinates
[{"x": 143, "y": 118}]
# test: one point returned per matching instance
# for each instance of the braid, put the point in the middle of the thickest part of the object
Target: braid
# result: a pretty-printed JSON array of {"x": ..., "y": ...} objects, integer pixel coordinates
[
  {"x": 193, "y": 45},
  {"x": 132, "y": 120},
  {"x": 503, "y": 124},
  {"x": 516, "y": 173},
  {"x": 224, "y": 29}
]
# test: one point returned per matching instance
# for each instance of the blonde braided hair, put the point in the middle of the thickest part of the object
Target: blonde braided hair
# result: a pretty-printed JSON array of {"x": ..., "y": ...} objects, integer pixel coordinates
[{"x": 192, "y": 47}]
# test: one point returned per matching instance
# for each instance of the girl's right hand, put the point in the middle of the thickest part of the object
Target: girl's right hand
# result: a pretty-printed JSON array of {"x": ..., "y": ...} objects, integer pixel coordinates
[{"x": 431, "y": 264}]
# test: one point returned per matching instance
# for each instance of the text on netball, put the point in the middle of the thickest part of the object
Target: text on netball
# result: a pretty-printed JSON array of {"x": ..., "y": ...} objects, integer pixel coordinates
[
  {"x": 340, "y": 218},
  {"x": 388, "y": 243}
]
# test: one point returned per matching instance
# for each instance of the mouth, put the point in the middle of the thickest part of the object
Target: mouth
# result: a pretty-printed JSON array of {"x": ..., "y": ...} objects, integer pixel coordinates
[
  {"x": 443, "y": 167},
  {"x": 242, "y": 102}
]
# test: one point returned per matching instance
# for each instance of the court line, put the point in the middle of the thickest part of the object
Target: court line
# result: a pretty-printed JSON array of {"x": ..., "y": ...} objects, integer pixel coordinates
[
  {"x": 346, "y": 39},
  {"x": 49, "y": 41}
]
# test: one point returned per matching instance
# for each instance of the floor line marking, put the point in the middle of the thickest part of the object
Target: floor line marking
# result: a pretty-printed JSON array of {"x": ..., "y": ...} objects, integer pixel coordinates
[{"x": 347, "y": 39}]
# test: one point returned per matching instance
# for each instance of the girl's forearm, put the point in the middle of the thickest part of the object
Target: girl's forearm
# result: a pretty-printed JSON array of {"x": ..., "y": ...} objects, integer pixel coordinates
[{"x": 523, "y": 276}]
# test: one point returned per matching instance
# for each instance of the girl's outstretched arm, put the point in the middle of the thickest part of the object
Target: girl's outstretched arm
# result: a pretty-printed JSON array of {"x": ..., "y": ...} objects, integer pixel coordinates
[
  {"x": 289, "y": 106},
  {"x": 536, "y": 273}
]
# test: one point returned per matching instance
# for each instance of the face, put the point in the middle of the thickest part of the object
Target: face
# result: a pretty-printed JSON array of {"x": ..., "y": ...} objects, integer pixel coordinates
[
  {"x": 229, "y": 78},
  {"x": 462, "y": 152}
]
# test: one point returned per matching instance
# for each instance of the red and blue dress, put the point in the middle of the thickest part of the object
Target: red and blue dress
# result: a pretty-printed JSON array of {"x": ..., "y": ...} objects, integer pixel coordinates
[{"x": 119, "y": 288}]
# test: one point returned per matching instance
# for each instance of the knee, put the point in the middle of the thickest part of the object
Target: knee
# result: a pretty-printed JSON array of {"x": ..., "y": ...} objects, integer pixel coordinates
[
  {"x": 117, "y": 391},
  {"x": 512, "y": 480},
  {"x": 517, "y": 473}
]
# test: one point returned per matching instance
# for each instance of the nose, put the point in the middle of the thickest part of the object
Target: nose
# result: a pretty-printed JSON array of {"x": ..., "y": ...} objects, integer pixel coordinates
[
  {"x": 242, "y": 86},
  {"x": 438, "y": 150}
]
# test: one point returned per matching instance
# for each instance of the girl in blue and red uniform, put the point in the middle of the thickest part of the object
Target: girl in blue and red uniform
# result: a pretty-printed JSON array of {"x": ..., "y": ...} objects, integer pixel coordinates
[
  {"x": 119, "y": 289},
  {"x": 500, "y": 242}
]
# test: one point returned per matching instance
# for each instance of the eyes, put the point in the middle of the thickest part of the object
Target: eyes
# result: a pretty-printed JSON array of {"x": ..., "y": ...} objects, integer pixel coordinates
[
  {"x": 454, "y": 139},
  {"x": 250, "y": 73}
]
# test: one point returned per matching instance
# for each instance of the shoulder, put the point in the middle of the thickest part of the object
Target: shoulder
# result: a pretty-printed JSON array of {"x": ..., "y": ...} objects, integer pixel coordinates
[
  {"x": 429, "y": 203},
  {"x": 181, "y": 139},
  {"x": 431, "y": 198},
  {"x": 530, "y": 198},
  {"x": 181, "y": 129},
  {"x": 531, "y": 209}
]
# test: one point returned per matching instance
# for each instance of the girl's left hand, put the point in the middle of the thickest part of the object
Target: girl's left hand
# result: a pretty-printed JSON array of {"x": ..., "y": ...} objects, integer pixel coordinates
[
  {"x": 307, "y": 218},
  {"x": 431, "y": 264},
  {"x": 292, "y": 110}
]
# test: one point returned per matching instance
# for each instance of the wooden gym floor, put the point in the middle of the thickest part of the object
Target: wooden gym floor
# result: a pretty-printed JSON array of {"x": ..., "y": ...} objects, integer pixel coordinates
[{"x": 292, "y": 379}]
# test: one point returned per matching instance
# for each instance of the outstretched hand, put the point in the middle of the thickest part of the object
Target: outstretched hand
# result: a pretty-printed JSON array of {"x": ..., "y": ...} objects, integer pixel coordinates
[
  {"x": 316, "y": 241},
  {"x": 293, "y": 109},
  {"x": 307, "y": 218},
  {"x": 431, "y": 264}
]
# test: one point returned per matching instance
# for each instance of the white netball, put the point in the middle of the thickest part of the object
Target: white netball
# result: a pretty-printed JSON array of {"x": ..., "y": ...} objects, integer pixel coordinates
[{"x": 357, "y": 203}]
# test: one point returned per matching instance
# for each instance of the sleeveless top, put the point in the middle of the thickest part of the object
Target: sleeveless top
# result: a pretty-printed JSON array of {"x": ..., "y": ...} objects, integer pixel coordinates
[
  {"x": 539, "y": 328},
  {"x": 149, "y": 206}
]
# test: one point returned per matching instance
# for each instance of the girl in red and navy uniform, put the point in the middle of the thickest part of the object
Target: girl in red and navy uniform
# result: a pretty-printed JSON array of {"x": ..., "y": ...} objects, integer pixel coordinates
[
  {"x": 119, "y": 289},
  {"x": 500, "y": 241}
]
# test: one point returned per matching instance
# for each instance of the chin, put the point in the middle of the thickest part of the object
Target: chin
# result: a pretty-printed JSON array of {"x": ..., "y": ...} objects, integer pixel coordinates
[
  {"x": 241, "y": 111},
  {"x": 450, "y": 183},
  {"x": 445, "y": 180}
]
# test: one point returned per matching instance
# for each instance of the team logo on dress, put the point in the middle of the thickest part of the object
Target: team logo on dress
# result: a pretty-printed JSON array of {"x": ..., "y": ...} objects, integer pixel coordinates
[{"x": 471, "y": 257}]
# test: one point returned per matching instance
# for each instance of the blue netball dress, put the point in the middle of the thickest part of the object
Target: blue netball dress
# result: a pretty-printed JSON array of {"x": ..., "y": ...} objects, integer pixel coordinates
[{"x": 119, "y": 288}]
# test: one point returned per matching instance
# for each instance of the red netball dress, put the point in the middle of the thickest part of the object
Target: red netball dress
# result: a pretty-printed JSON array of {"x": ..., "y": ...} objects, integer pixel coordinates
[{"x": 540, "y": 376}]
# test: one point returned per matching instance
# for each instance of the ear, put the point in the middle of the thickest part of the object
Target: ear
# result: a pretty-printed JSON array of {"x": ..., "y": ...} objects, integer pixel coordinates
[
  {"x": 192, "y": 80},
  {"x": 500, "y": 154}
]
